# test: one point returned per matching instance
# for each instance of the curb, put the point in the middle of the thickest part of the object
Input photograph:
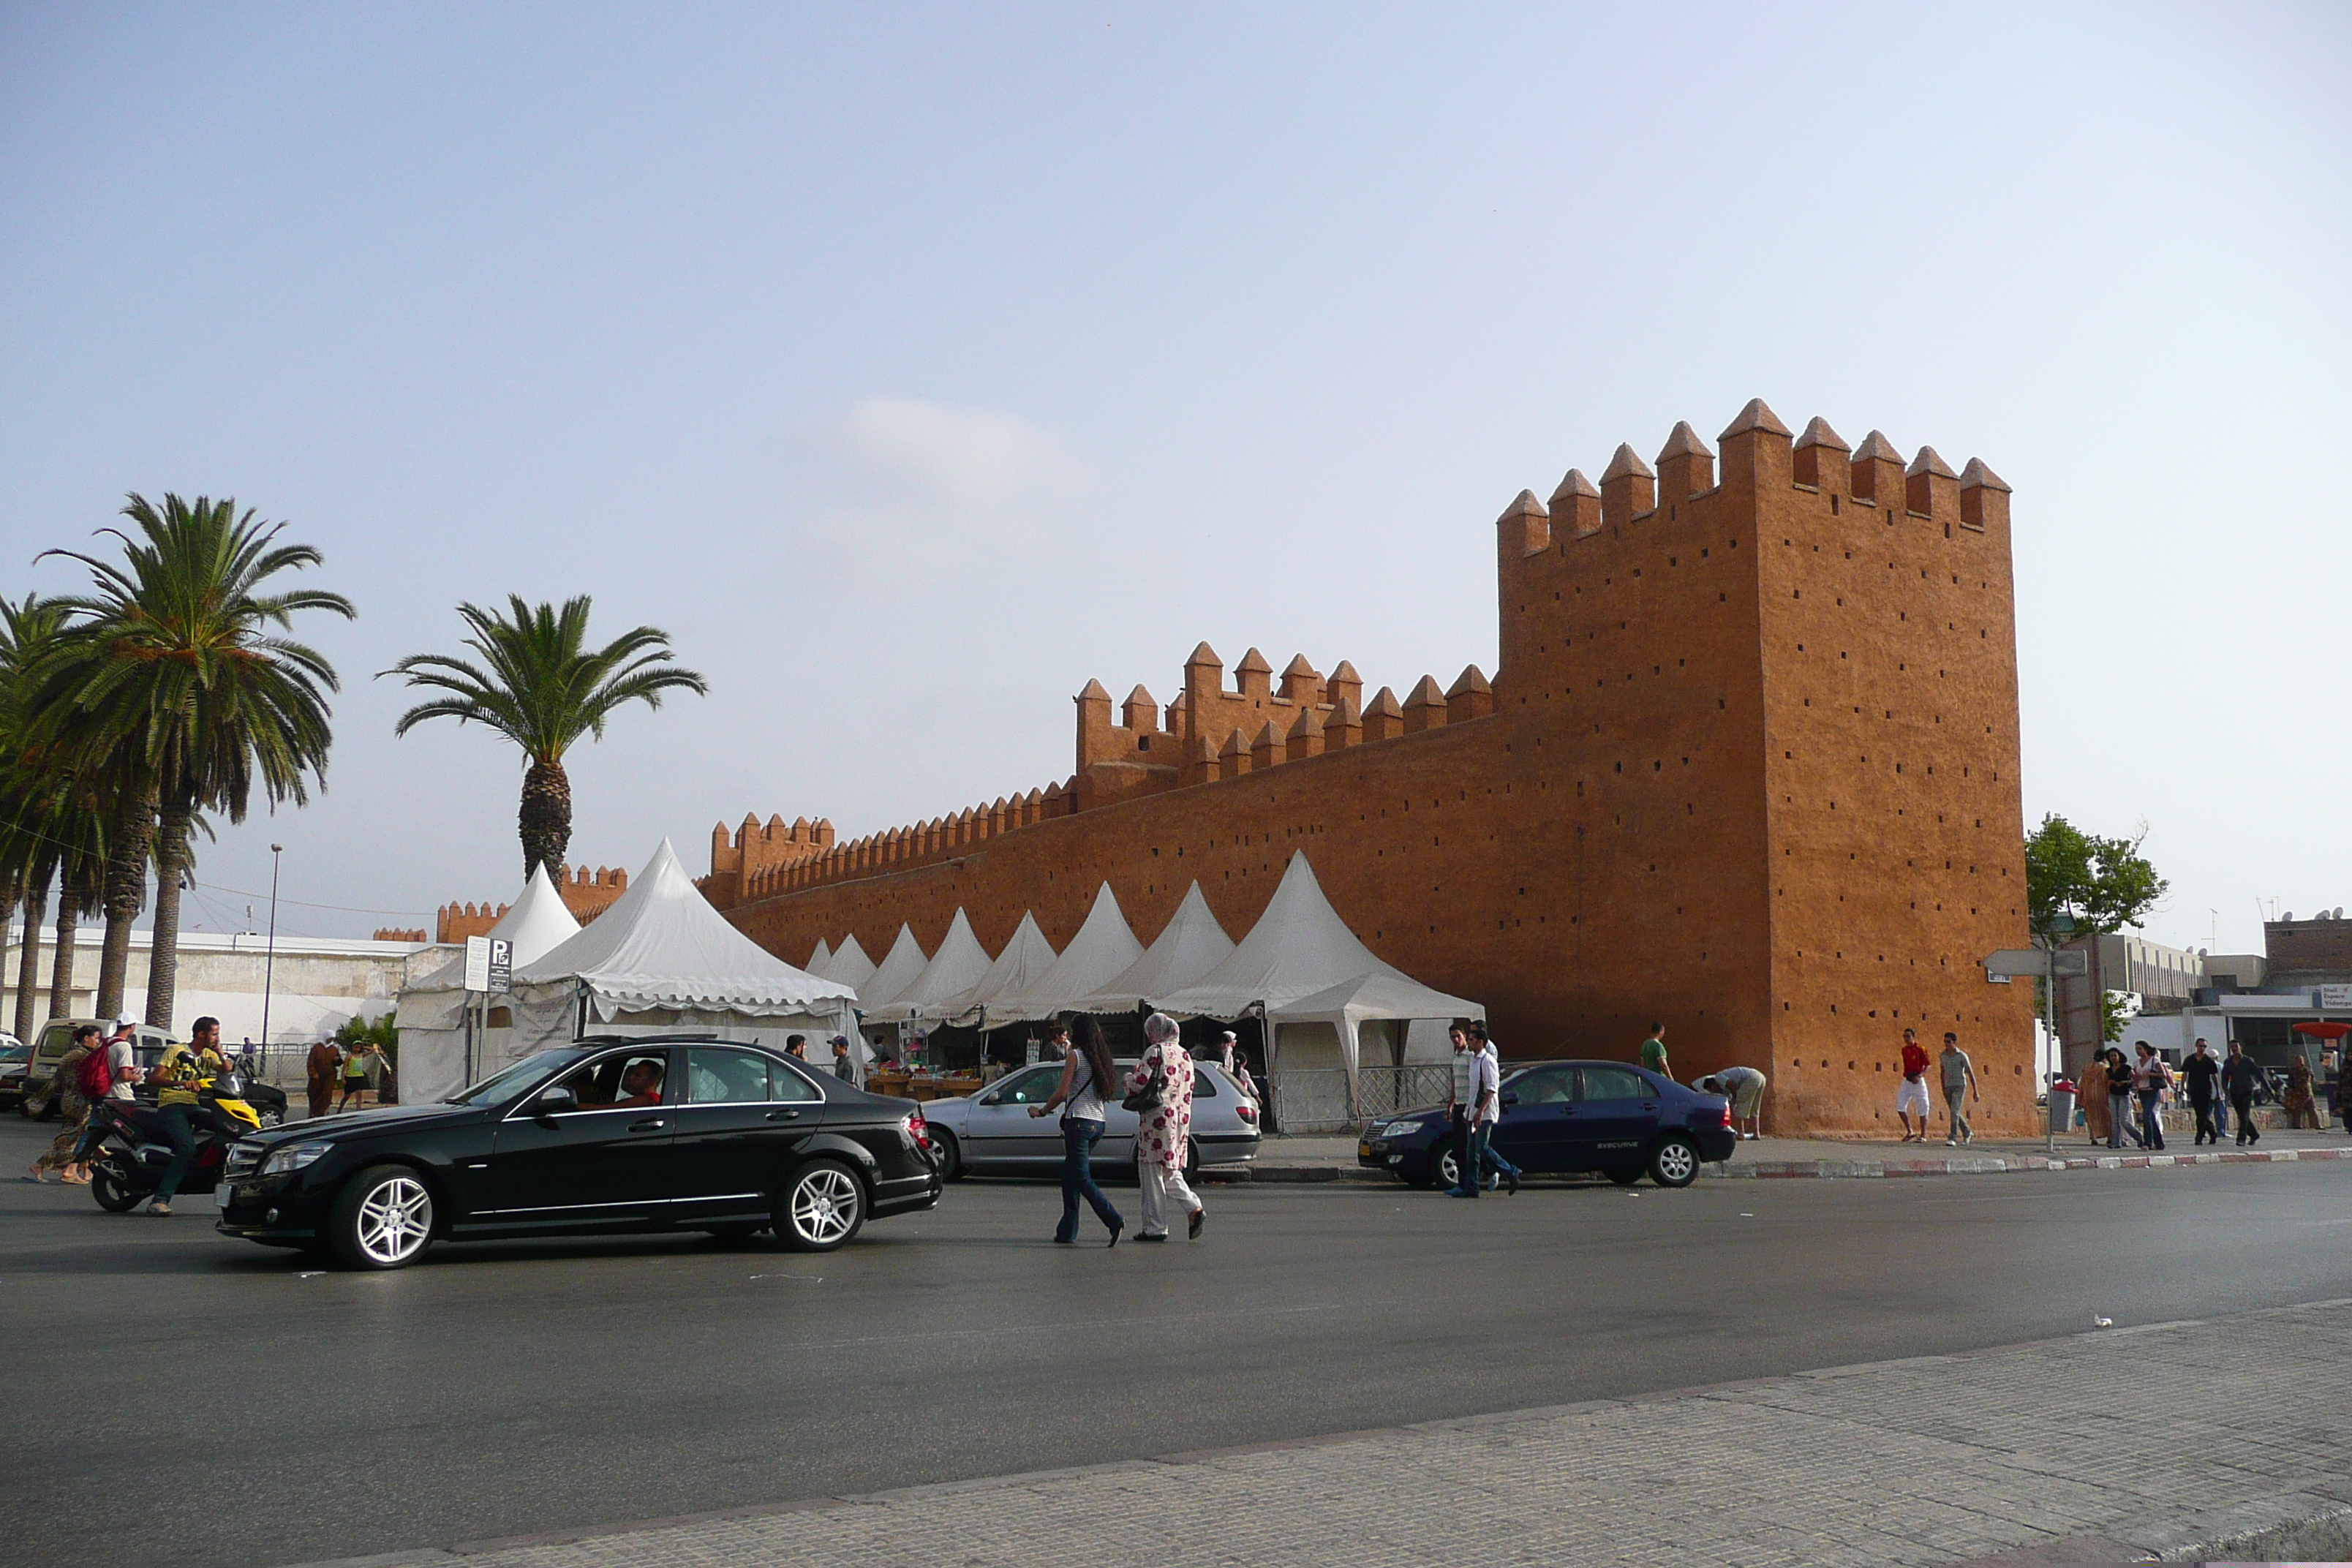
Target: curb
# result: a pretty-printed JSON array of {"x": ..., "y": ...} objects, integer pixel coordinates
[{"x": 1838, "y": 1170}]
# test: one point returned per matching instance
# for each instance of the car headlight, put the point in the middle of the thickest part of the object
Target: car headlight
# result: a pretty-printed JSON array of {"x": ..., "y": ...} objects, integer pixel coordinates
[
  {"x": 293, "y": 1157},
  {"x": 1400, "y": 1128}
]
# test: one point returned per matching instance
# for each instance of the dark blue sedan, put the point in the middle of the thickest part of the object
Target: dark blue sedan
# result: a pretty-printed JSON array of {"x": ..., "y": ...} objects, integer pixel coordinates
[{"x": 1609, "y": 1117}]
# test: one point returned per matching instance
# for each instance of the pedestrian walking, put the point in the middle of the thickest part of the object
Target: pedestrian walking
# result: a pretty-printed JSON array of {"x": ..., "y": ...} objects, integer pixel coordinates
[
  {"x": 1653, "y": 1052},
  {"x": 356, "y": 1080},
  {"x": 1459, "y": 1098},
  {"x": 1086, "y": 1072},
  {"x": 1959, "y": 1076},
  {"x": 1160, "y": 1090},
  {"x": 842, "y": 1068},
  {"x": 1487, "y": 1168},
  {"x": 1744, "y": 1087},
  {"x": 62, "y": 1156},
  {"x": 2118, "y": 1075},
  {"x": 2202, "y": 1075},
  {"x": 2339, "y": 1103},
  {"x": 1911, "y": 1095},
  {"x": 2301, "y": 1112},
  {"x": 2239, "y": 1078},
  {"x": 320, "y": 1071},
  {"x": 2150, "y": 1078}
]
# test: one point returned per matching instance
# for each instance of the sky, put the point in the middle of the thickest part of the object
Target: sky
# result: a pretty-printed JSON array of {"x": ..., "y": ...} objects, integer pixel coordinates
[{"x": 911, "y": 365}]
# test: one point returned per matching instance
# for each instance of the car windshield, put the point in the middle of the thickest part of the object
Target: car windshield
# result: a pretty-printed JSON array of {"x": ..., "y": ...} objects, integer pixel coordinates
[{"x": 500, "y": 1085}]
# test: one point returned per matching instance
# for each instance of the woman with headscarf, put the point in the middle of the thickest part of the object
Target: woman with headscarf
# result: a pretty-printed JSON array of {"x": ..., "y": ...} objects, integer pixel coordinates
[
  {"x": 2301, "y": 1111},
  {"x": 1163, "y": 1131}
]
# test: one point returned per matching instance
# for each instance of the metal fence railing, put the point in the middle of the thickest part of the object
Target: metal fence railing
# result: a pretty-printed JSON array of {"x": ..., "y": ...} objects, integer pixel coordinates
[{"x": 1318, "y": 1099}]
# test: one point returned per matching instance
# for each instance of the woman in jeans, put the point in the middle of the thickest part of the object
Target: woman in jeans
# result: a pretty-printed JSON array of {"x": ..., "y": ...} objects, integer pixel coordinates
[
  {"x": 2119, "y": 1100},
  {"x": 1085, "y": 1073}
]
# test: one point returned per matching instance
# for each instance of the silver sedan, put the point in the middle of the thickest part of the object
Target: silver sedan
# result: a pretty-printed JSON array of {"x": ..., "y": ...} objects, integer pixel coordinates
[{"x": 993, "y": 1133}]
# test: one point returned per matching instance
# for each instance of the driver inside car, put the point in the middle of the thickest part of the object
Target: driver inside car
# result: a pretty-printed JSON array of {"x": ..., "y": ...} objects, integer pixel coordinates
[{"x": 641, "y": 1085}]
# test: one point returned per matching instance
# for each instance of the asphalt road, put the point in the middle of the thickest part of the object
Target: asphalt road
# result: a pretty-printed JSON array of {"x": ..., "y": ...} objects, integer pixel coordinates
[{"x": 199, "y": 1400}]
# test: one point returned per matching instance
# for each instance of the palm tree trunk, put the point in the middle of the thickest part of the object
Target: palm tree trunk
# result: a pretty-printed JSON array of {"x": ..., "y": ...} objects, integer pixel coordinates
[
  {"x": 164, "y": 944},
  {"x": 127, "y": 848},
  {"x": 61, "y": 967},
  {"x": 545, "y": 820},
  {"x": 28, "y": 962}
]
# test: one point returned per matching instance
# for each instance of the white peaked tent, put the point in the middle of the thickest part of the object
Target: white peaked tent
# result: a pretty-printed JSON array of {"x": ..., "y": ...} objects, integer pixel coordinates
[
  {"x": 432, "y": 1009},
  {"x": 1317, "y": 986},
  {"x": 849, "y": 966},
  {"x": 950, "y": 975},
  {"x": 1188, "y": 947},
  {"x": 901, "y": 967},
  {"x": 1104, "y": 949},
  {"x": 661, "y": 958},
  {"x": 1026, "y": 957},
  {"x": 820, "y": 960}
]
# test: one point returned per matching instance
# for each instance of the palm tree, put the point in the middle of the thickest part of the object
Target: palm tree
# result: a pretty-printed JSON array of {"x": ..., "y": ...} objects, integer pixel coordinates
[
  {"x": 543, "y": 688},
  {"x": 50, "y": 823},
  {"x": 175, "y": 689}
]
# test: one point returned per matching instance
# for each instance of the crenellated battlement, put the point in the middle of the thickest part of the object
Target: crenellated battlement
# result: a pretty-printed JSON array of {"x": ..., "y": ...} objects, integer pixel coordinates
[
  {"x": 586, "y": 893},
  {"x": 1746, "y": 764},
  {"x": 1208, "y": 735},
  {"x": 1594, "y": 539}
]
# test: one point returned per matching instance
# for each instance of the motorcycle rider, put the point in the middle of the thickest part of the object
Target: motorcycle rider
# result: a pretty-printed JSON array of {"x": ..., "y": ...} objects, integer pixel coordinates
[{"x": 177, "y": 1100}]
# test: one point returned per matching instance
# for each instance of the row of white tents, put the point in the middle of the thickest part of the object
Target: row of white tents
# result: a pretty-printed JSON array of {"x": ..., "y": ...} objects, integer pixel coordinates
[
  {"x": 662, "y": 958},
  {"x": 1328, "y": 1004}
]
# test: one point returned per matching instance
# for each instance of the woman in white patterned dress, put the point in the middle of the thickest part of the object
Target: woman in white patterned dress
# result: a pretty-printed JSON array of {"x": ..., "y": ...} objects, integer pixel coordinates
[{"x": 1163, "y": 1133}]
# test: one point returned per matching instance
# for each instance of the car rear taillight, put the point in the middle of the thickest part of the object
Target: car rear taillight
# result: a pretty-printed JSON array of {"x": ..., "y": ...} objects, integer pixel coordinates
[
  {"x": 1726, "y": 1114},
  {"x": 1247, "y": 1112},
  {"x": 917, "y": 1128}
]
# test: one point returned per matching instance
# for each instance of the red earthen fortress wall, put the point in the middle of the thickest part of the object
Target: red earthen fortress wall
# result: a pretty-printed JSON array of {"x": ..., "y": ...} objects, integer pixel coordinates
[
  {"x": 585, "y": 893},
  {"x": 1749, "y": 766}
]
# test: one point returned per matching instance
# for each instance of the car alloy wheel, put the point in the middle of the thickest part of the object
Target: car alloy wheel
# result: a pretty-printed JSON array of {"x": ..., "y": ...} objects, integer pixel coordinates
[
  {"x": 946, "y": 1155},
  {"x": 1675, "y": 1162},
  {"x": 1448, "y": 1169},
  {"x": 271, "y": 1118},
  {"x": 383, "y": 1218},
  {"x": 823, "y": 1208}
]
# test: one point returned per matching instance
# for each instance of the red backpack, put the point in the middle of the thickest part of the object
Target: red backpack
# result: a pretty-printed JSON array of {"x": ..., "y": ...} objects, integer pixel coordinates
[{"x": 95, "y": 1078}]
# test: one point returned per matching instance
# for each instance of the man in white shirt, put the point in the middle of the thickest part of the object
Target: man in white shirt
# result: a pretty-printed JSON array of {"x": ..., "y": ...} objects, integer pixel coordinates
[
  {"x": 121, "y": 1061},
  {"x": 1460, "y": 1100},
  {"x": 1492, "y": 1167}
]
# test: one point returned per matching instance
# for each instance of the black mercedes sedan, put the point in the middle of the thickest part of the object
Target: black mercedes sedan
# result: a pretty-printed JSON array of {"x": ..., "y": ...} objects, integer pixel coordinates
[
  {"x": 1619, "y": 1121},
  {"x": 603, "y": 1137}
]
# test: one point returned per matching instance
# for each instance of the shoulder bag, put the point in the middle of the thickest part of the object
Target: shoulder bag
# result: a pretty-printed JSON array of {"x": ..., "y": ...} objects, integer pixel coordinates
[{"x": 1150, "y": 1096}]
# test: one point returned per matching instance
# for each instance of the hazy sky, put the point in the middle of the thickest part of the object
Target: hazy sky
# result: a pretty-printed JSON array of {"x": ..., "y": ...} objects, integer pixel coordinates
[{"x": 911, "y": 365}]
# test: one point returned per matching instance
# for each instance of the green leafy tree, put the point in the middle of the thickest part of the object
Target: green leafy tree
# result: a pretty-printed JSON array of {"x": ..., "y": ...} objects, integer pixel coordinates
[
  {"x": 539, "y": 685},
  {"x": 51, "y": 829},
  {"x": 176, "y": 688},
  {"x": 2101, "y": 885}
]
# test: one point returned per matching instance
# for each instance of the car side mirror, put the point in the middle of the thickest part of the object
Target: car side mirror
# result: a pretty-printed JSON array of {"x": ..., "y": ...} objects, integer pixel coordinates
[
  {"x": 1510, "y": 1099},
  {"x": 554, "y": 1102}
]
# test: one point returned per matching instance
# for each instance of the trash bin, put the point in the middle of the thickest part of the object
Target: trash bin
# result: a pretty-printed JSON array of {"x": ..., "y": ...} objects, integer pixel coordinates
[{"x": 2061, "y": 1109}]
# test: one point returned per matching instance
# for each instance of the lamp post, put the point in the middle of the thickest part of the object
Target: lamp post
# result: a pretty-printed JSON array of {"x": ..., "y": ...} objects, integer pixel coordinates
[{"x": 269, "y": 958}]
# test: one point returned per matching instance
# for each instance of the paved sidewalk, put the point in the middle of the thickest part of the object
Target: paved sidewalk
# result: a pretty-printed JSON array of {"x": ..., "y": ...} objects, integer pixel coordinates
[
  {"x": 1332, "y": 1158},
  {"x": 2227, "y": 1438}
]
